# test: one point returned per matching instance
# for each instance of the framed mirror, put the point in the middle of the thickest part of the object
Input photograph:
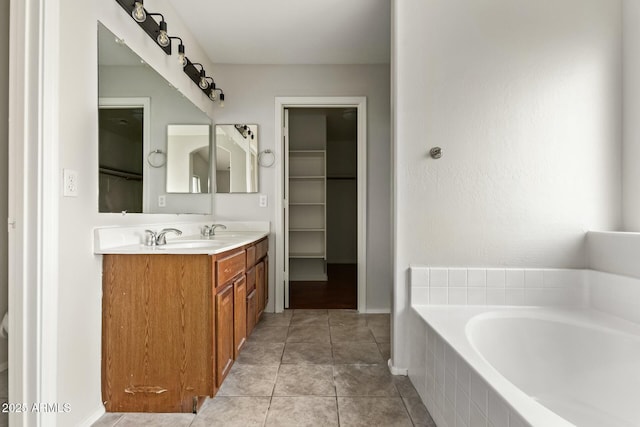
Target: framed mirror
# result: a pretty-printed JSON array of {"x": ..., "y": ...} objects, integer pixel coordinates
[
  {"x": 188, "y": 158},
  {"x": 154, "y": 143},
  {"x": 236, "y": 158}
]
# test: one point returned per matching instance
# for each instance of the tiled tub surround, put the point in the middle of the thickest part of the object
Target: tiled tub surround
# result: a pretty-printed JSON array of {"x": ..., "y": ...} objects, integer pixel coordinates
[{"x": 461, "y": 388}]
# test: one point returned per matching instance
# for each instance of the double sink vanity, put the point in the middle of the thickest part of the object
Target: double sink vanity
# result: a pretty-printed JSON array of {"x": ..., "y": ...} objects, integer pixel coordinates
[{"x": 176, "y": 315}]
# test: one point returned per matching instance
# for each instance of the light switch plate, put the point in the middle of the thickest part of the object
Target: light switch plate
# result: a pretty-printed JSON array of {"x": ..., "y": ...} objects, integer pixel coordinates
[
  {"x": 162, "y": 201},
  {"x": 263, "y": 200},
  {"x": 70, "y": 183}
]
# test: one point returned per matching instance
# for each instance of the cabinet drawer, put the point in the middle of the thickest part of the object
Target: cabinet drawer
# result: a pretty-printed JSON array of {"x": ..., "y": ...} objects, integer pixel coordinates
[
  {"x": 251, "y": 256},
  {"x": 262, "y": 248},
  {"x": 229, "y": 266}
]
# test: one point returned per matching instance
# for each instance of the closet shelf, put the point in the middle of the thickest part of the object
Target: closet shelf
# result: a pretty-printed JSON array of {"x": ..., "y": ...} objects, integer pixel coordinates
[
  {"x": 307, "y": 177},
  {"x": 319, "y": 255}
]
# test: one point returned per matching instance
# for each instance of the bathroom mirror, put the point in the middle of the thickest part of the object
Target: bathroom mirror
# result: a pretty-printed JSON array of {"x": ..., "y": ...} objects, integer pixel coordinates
[
  {"x": 154, "y": 143},
  {"x": 188, "y": 157},
  {"x": 237, "y": 158}
]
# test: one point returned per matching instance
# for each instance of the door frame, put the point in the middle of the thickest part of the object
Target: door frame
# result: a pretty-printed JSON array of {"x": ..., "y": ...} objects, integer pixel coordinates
[
  {"x": 145, "y": 104},
  {"x": 281, "y": 103}
]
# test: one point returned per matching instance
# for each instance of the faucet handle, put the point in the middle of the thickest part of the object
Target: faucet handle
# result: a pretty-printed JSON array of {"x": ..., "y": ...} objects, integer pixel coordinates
[
  {"x": 150, "y": 237},
  {"x": 206, "y": 230}
]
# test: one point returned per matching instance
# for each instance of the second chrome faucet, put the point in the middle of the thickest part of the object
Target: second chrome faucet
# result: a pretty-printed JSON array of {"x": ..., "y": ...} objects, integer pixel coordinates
[
  {"x": 153, "y": 238},
  {"x": 208, "y": 231}
]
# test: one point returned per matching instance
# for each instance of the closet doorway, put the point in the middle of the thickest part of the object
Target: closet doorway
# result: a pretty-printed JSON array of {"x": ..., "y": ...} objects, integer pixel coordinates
[{"x": 322, "y": 211}]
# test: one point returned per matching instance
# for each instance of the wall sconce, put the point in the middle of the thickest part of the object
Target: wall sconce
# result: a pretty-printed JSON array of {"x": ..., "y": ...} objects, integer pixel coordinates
[
  {"x": 158, "y": 32},
  {"x": 244, "y": 131}
]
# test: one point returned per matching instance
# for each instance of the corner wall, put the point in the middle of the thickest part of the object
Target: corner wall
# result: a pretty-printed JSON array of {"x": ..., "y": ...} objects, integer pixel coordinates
[
  {"x": 525, "y": 100},
  {"x": 631, "y": 146},
  {"x": 251, "y": 93},
  {"x": 4, "y": 168}
]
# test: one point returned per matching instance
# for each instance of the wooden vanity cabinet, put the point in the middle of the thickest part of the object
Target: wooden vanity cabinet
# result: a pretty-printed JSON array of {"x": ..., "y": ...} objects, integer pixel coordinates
[
  {"x": 157, "y": 332},
  {"x": 172, "y": 325}
]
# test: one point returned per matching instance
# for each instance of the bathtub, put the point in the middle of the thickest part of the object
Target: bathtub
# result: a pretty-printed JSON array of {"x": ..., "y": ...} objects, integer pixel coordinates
[{"x": 539, "y": 366}]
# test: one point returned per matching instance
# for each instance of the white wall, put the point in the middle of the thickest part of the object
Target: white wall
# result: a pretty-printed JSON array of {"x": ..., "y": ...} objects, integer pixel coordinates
[
  {"x": 79, "y": 293},
  {"x": 251, "y": 90},
  {"x": 4, "y": 165},
  {"x": 631, "y": 147},
  {"x": 525, "y": 100}
]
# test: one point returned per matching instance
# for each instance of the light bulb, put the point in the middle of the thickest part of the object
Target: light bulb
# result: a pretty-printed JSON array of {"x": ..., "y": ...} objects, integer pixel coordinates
[
  {"x": 163, "y": 37},
  {"x": 138, "y": 13},
  {"x": 182, "y": 59},
  {"x": 203, "y": 83},
  {"x": 212, "y": 95},
  {"x": 222, "y": 100}
]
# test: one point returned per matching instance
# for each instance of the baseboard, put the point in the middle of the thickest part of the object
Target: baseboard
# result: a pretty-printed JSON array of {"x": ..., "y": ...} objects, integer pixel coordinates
[
  {"x": 378, "y": 311},
  {"x": 4, "y": 366},
  {"x": 397, "y": 371},
  {"x": 91, "y": 419}
]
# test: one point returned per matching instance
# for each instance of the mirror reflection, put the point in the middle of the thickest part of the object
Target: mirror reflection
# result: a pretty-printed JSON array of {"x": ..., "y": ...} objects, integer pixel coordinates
[
  {"x": 188, "y": 158},
  {"x": 237, "y": 158},
  {"x": 142, "y": 118}
]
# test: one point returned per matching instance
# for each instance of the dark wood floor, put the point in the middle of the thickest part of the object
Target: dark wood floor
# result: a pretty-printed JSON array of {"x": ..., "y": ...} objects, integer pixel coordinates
[{"x": 339, "y": 292}]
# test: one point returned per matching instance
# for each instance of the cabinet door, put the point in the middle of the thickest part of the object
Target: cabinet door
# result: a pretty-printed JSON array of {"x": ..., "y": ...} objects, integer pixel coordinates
[
  {"x": 224, "y": 333},
  {"x": 266, "y": 281},
  {"x": 260, "y": 289},
  {"x": 239, "y": 314},
  {"x": 251, "y": 312}
]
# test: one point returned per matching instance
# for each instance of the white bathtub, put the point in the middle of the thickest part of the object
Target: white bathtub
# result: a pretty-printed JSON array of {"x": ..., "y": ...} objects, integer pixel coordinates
[{"x": 535, "y": 365}]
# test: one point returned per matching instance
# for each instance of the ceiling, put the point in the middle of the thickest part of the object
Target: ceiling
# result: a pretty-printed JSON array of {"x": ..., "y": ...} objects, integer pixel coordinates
[{"x": 290, "y": 31}]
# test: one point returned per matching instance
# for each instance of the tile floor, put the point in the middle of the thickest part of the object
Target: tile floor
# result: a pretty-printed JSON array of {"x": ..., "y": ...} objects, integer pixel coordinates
[{"x": 306, "y": 368}]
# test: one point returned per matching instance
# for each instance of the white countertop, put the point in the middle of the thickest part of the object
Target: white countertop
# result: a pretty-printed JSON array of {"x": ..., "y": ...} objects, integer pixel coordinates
[
  {"x": 130, "y": 240},
  {"x": 192, "y": 245}
]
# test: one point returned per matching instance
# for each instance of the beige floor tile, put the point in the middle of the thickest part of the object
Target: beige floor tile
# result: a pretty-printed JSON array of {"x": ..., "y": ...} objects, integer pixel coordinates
[
  {"x": 308, "y": 333},
  {"x": 305, "y": 380},
  {"x": 372, "y": 411},
  {"x": 351, "y": 333},
  {"x": 261, "y": 353},
  {"x": 364, "y": 380},
  {"x": 418, "y": 412},
  {"x": 385, "y": 350},
  {"x": 307, "y": 353},
  {"x": 382, "y": 333},
  {"x": 108, "y": 420},
  {"x": 224, "y": 411},
  {"x": 356, "y": 353},
  {"x": 269, "y": 334},
  {"x": 405, "y": 386},
  {"x": 275, "y": 319},
  {"x": 303, "y": 412},
  {"x": 155, "y": 420},
  {"x": 346, "y": 318},
  {"x": 249, "y": 380}
]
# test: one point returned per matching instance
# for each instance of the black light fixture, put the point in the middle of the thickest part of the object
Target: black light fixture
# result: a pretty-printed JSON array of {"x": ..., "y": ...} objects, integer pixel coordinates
[
  {"x": 182, "y": 59},
  {"x": 158, "y": 32},
  {"x": 245, "y": 131}
]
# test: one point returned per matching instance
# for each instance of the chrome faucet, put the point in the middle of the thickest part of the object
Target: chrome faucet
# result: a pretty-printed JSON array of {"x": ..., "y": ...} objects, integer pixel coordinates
[
  {"x": 158, "y": 239},
  {"x": 211, "y": 231}
]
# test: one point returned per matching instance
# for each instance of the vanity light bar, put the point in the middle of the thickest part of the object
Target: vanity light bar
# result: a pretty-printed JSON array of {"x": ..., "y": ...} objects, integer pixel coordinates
[
  {"x": 158, "y": 32},
  {"x": 149, "y": 25}
]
